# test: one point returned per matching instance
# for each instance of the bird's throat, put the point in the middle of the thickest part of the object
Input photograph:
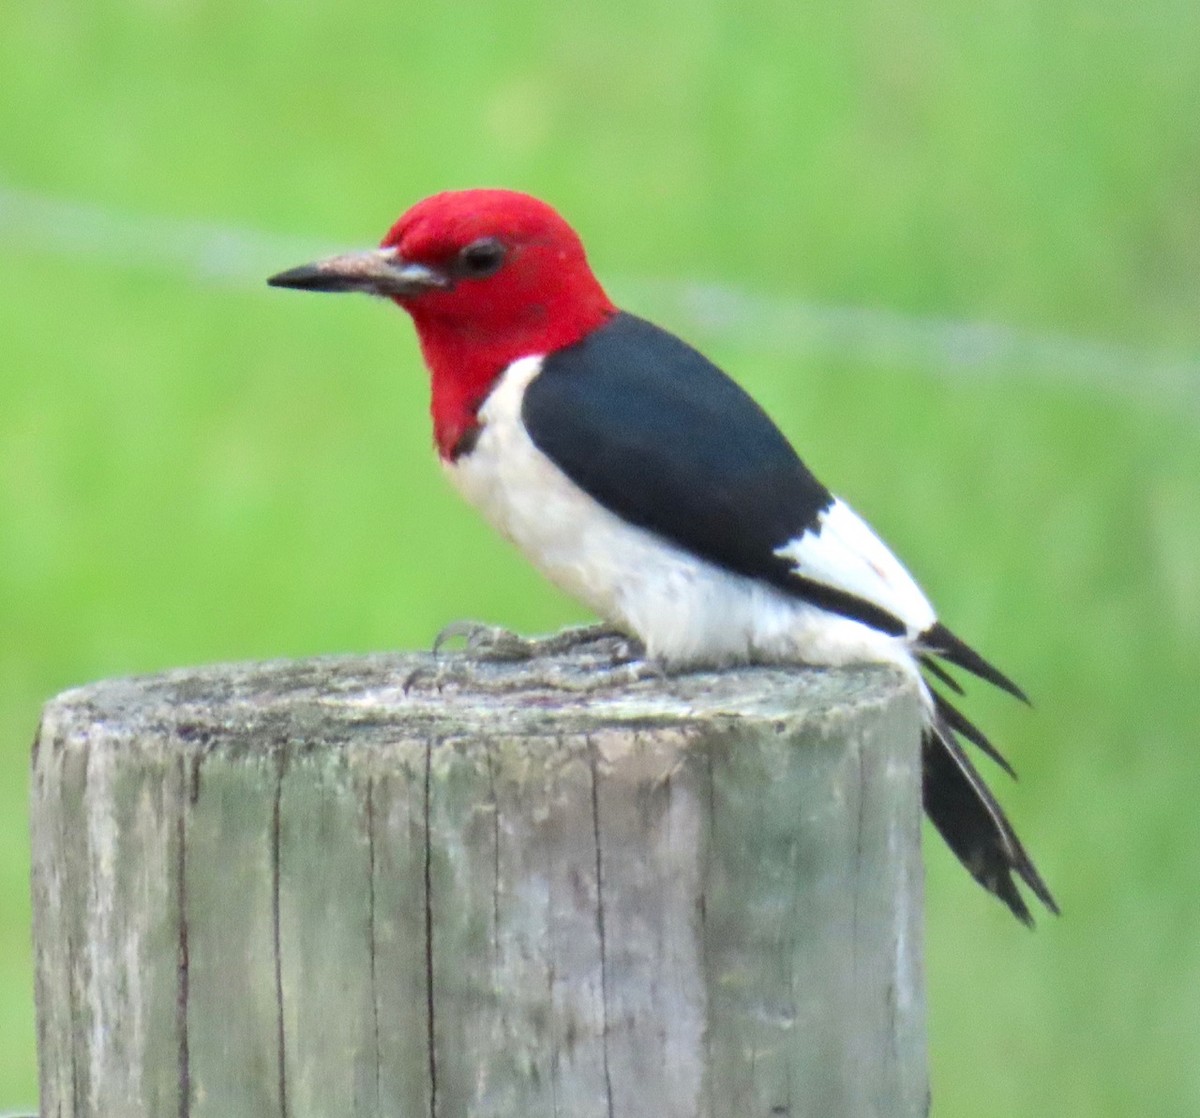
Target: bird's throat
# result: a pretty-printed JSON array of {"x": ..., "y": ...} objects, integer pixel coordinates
[{"x": 465, "y": 362}]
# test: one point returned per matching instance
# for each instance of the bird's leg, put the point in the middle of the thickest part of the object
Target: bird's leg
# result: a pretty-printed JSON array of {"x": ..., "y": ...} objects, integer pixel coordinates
[
  {"x": 605, "y": 674},
  {"x": 567, "y": 640},
  {"x": 497, "y": 644},
  {"x": 618, "y": 672},
  {"x": 617, "y": 660}
]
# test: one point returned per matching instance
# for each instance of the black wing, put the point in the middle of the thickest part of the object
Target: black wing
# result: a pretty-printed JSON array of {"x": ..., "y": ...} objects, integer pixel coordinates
[
  {"x": 655, "y": 432},
  {"x": 660, "y": 436}
]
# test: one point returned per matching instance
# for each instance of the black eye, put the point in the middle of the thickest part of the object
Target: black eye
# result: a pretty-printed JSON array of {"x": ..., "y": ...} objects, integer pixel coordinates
[{"x": 481, "y": 258}]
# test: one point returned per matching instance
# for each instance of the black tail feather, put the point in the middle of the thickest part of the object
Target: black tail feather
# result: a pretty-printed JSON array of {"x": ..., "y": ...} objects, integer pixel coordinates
[
  {"x": 973, "y": 824},
  {"x": 938, "y": 672},
  {"x": 941, "y": 642},
  {"x": 956, "y": 720}
]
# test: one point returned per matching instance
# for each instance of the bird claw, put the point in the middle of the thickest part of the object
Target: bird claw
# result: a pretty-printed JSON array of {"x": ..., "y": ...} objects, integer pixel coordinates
[
  {"x": 494, "y": 643},
  {"x": 618, "y": 661},
  {"x": 485, "y": 642},
  {"x": 435, "y": 675},
  {"x": 614, "y": 675}
]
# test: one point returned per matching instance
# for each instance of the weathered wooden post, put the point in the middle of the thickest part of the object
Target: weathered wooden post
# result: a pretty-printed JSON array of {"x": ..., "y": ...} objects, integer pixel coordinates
[{"x": 296, "y": 889}]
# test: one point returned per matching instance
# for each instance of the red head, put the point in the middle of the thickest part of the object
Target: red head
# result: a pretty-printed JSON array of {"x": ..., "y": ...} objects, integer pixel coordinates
[{"x": 488, "y": 276}]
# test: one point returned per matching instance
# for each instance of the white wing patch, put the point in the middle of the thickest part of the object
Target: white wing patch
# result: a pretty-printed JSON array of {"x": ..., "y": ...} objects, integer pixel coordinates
[{"x": 843, "y": 553}]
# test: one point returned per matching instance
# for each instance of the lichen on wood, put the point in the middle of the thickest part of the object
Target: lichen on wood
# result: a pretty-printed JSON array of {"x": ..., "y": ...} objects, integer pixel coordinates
[{"x": 381, "y": 885}]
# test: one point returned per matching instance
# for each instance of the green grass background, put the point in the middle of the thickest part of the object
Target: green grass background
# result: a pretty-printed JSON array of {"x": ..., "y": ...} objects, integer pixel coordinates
[{"x": 194, "y": 471}]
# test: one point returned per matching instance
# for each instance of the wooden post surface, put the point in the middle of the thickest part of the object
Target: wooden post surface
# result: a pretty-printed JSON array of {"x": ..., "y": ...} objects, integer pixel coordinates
[{"x": 298, "y": 889}]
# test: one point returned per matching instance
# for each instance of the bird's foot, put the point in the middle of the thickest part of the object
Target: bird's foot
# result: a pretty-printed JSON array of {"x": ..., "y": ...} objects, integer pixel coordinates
[
  {"x": 604, "y": 640},
  {"x": 603, "y": 676},
  {"x": 615, "y": 660},
  {"x": 484, "y": 642},
  {"x": 496, "y": 644}
]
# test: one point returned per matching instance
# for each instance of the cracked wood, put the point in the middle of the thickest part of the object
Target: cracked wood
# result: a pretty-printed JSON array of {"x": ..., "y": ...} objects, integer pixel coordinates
[{"x": 303, "y": 889}]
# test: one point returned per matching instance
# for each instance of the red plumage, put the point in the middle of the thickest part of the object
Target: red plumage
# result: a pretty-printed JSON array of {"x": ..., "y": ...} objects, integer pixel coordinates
[
  {"x": 544, "y": 298},
  {"x": 642, "y": 480}
]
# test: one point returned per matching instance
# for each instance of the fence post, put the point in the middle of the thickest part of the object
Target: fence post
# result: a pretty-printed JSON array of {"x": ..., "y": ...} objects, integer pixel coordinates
[{"x": 298, "y": 889}]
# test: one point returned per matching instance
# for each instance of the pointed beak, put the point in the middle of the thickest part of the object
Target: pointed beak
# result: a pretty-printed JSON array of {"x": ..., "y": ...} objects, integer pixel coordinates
[{"x": 377, "y": 272}]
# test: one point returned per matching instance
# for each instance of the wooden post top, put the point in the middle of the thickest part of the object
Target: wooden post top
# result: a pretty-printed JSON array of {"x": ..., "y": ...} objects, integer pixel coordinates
[
  {"x": 394, "y": 885},
  {"x": 365, "y": 698}
]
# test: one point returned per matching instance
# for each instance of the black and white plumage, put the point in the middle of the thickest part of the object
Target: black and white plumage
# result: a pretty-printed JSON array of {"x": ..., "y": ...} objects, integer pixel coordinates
[{"x": 646, "y": 483}]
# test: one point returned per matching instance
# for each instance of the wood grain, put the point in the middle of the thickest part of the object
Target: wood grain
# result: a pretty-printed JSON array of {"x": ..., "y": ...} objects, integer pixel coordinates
[{"x": 510, "y": 890}]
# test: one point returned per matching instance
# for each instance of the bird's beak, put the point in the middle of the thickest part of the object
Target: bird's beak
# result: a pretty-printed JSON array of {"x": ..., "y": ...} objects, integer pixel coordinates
[{"x": 379, "y": 271}]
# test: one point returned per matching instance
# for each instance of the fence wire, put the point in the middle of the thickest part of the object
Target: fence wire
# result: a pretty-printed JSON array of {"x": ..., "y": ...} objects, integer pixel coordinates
[{"x": 229, "y": 256}]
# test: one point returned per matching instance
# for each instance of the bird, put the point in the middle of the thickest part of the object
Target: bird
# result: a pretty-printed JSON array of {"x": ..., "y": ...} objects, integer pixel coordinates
[{"x": 643, "y": 481}]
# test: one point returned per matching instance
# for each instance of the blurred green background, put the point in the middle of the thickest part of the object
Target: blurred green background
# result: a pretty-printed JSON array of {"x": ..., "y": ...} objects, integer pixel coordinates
[{"x": 195, "y": 468}]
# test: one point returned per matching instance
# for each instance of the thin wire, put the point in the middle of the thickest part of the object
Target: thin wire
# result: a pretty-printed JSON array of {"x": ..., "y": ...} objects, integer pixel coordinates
[{"x": 240, "y": 258}]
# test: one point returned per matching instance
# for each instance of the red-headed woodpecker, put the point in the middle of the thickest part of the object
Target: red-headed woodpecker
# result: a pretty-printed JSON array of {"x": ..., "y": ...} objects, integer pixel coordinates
[{"x": 644, "y": 482}]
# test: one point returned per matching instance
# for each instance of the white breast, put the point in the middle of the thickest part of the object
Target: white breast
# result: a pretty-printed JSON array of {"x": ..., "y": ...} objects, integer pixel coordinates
[{"x": 685, "y": 610}]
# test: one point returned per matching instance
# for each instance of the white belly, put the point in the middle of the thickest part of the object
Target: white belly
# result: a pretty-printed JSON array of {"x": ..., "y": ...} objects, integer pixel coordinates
[{"x": 685, "y": 610}]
